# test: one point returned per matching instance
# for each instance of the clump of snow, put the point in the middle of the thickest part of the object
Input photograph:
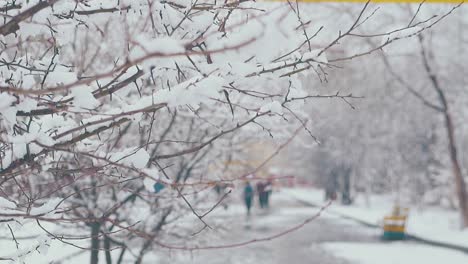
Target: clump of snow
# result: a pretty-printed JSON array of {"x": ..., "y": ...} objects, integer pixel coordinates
[
  {"x": 296, "y": 93},
  {"x": 63, "y": 7},
  {"x": 316, "y": 55},
  {"x": 9, "y": 114},
  {"x": 83, "y": 97},
  {"x": 49, "y": 122},
  {"x": 149, "y": 183},
  {"x": 165, "y": 45},
  {"x": 274, "y": 107},
  {"x": 193, "y": 92},
  {"x": 26, "y": 105},
  {"x": 4, "y": 203},
  {"x": 20, "y": 142},
  {"x": 242, "y": 68},
  {"x": 273, "y": 65},
  {"x": 5, "y": 101},
  {"x": 229, "y": 189},
  {"x": 132, "y": 157},
  {"x": 139, "y": 159},
  {"x": 407, "y": 32},
  {"x": 58, "y": 77},
  {"x": 43, "y": 245},
  {"x": 6, "y": 110},
  {"x": 46, "y": 208}
]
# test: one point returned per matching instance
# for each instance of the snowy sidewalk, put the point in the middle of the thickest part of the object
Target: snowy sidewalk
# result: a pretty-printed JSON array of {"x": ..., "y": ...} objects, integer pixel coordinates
[
  {"x": 433, "y": 226},
  {"x": 394, "y": 253}
]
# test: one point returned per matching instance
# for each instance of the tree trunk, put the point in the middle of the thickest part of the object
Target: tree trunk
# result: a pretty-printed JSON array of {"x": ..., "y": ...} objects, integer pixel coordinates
[
  {"x": 95, "y": 228},
  {"x": 148, "y": 243},
  {"x": 459, "y": 181},
  {"x": 346, "y": 192},
  {"x": 122, "y": 252},
  {"x": 143, "y": 250},
  {"x": 107, "y": 244}
]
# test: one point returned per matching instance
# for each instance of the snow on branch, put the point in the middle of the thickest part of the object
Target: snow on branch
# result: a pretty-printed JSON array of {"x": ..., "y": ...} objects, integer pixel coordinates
[{"x": 100, "y": 99}]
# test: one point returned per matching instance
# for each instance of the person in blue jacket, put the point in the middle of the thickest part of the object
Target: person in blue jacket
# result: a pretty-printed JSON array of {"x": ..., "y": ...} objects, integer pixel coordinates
[
  {"x": 248, "y": 196},
  {"x": 158, "y": 186}
]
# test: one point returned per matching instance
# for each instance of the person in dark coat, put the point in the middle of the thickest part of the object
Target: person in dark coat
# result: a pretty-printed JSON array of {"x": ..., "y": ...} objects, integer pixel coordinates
[
  {"x": 220, "y": 189},
  {"x": 268, "y": 190},
  {"x": 248, "y": 196},
  {"x": 261, "y": 194}
]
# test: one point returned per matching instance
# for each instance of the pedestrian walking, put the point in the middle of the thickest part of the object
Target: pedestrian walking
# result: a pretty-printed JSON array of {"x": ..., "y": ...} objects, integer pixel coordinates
[
  {"x": 220, "y": 189},
  {"x": 248, "y": 196},
  {"x": 261, "y": 194},
  {"x": 268, "y": 190}
]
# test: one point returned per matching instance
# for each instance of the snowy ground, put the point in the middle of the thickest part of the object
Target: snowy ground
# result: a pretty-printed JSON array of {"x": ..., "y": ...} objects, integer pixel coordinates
[
  {"x": 328, "y": 239},
  {"x": 395, "y": 253},
  {"x": 431, "y": 223},
  {"x": 301, "y": 246}
]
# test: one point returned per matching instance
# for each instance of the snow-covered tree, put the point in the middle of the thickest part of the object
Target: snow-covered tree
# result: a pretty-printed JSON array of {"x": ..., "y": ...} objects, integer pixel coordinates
[{"x": 102, "y": 101}]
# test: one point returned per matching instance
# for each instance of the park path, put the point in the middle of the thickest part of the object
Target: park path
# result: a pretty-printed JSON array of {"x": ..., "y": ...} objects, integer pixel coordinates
[{"x": 302, "y": 246}]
